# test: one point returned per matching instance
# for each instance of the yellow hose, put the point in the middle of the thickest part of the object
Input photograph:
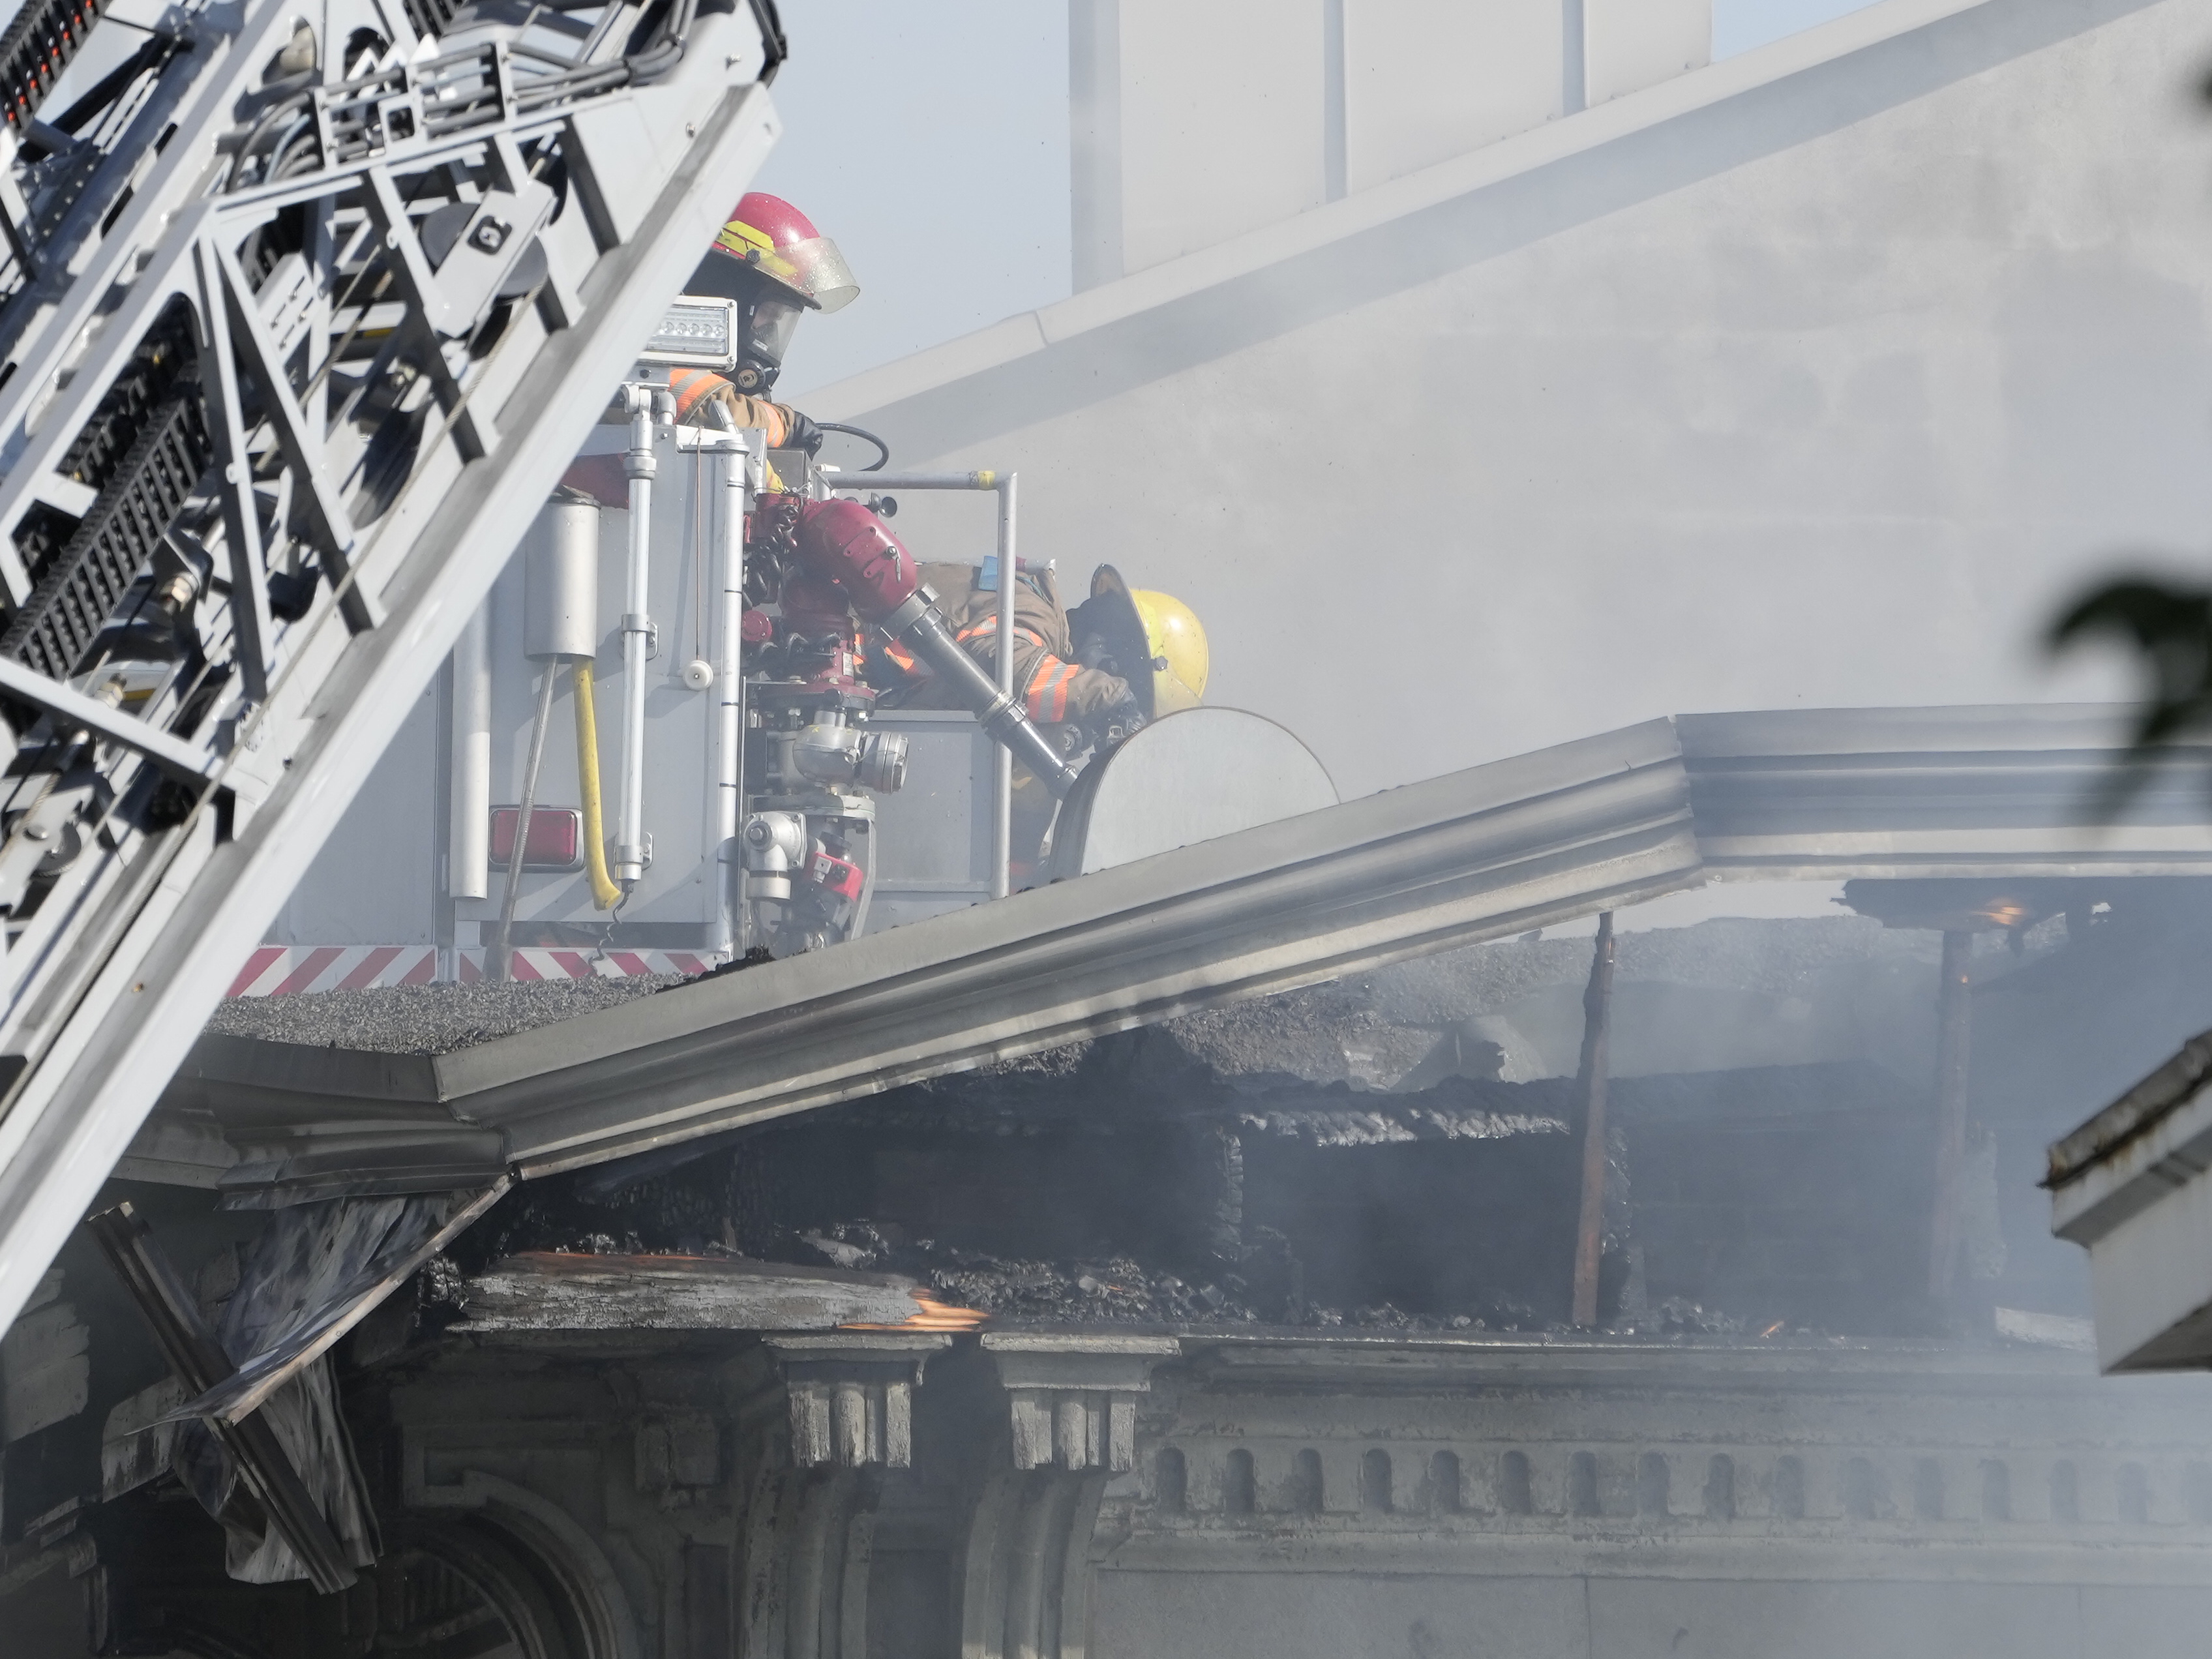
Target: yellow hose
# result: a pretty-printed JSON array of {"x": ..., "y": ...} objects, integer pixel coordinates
[{"x": 605, "y": 894}]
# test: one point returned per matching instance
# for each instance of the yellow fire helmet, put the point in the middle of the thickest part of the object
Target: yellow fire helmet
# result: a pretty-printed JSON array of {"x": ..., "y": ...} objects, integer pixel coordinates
[
  {"x": 1177, "y": 643},
  {"x": 1172, "y": 639}
]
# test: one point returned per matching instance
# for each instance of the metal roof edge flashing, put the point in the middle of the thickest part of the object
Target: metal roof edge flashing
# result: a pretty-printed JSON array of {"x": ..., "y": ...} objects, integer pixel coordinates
[
  {"x": 1491, "y": 795},
  {"x": 2150, "y": 1142},
  {"x": 1478, "y": 853},
  {"x": 218, "y": 1061},
  {"x": 1492, "y": 850}
]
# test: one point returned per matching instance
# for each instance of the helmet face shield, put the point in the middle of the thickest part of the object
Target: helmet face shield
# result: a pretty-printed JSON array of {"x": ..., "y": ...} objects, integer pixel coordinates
[
  {"x": 817, "y": 270},
  {"x": 721, "y": 277},
  {"x": 1153, "y": 639},
  {"x": 770, "y": 323},
  {"x": 811, "y": 268},
  {"x": 1109, "y": 635}
]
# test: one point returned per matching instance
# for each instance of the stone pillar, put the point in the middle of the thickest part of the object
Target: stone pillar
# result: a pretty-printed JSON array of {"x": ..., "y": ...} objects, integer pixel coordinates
[
  {"x": 1072, "y": 1420},
  {"x": 852, "y": 1394},
  {"x": 1074, "y": 1399},
  {"x": 809, "y": 1531}
]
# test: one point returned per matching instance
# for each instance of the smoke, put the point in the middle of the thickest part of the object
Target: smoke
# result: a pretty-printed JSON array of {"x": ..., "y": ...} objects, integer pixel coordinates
[{"x": 1772, "y": 405}]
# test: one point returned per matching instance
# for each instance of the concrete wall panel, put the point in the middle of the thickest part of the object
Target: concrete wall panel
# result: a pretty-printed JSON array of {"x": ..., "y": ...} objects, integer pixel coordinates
[
  {"x": 1630, "y": 44},
  {"x": 1427, "y": 80},
  {"x": 2150, "y": 1622},
  {"x": 1221, "y": 122},
  {"x": 1291, "y": 1615},
  {"x": 1286, "y": 1615},
  {"x": 1648, "y": 1618}
]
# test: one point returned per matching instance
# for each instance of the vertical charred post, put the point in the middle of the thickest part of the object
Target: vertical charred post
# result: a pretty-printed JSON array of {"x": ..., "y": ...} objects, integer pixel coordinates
[
  {"x": 1225, "y": 1206},
  {"x": 1955, "y": 1030},
  {"x": 1589, "y": 1098}
]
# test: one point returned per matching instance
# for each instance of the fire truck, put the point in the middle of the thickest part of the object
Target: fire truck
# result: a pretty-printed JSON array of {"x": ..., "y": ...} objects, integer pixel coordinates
[{"x": 303, "y": 317}]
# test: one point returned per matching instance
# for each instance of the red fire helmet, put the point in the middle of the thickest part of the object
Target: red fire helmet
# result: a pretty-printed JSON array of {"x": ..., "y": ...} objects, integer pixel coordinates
[{"x": 774, "y": 238}]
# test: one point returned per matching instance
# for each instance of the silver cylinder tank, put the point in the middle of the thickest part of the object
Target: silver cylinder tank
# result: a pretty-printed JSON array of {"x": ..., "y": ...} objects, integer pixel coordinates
[{"x": 561, "y": 606}]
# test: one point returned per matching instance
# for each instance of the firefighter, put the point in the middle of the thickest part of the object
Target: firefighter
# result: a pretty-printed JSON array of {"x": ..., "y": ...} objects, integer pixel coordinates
[
  {"x": 1089, "y": 677},
  {"x": 771, "y": 260},
  {"x": 1150, "y": 640}
]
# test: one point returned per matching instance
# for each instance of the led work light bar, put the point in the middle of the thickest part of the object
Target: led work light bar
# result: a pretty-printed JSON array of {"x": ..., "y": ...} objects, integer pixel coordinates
[{"x": 697, "y": 333}]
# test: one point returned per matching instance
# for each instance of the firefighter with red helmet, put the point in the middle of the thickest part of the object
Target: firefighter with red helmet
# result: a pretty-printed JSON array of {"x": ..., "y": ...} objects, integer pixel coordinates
[{"x": 772, "y": 261}]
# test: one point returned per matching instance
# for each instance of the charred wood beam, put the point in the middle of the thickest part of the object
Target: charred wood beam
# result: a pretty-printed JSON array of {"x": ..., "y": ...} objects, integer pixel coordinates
[
  {"x": 545, "y": 1290},
  {"x": 1590, "y": 1099},
  {"x": 199, "y": 1360}
]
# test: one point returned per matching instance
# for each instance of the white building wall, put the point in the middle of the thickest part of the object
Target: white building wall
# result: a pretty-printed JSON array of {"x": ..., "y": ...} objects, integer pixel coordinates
[
  {"x": 1850, "y": 1499},
  {"x": 1630, "y": 44},
  {"x": 1194, "y": 121},
  {"x": 1221, "y": 121},
  {"x": 1669, "y": 430},
  {"x": 1427, "y": 80}
]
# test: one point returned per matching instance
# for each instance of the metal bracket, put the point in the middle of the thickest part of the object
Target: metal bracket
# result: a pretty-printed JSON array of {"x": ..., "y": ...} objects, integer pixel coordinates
[{"x": 71, "y": 707}]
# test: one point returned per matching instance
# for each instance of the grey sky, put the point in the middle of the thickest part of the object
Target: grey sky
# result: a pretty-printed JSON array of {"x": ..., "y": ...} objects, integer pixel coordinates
[{"x": 931, "y": 142}]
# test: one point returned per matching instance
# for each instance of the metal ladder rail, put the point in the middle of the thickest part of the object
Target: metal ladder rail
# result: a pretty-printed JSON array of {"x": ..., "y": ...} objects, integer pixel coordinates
[
  {"x": 197, "y": 268},
  {"x": 117, "y": 135},
  {"x": 101, "y": 1019},
  {"x": 191, "y": 266}
]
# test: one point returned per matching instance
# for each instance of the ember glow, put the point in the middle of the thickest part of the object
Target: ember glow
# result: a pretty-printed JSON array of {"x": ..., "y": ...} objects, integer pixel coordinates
[{"x": 933, "y": 1316}]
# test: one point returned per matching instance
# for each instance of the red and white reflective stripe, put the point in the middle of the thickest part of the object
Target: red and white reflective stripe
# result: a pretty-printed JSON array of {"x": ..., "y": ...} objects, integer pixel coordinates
[{"x": 284, "y": 970}]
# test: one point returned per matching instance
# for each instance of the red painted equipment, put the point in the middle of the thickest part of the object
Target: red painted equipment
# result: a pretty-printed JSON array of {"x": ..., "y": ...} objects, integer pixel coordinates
[
  {"x": 843, "y": 541},
  {"x": 839, "y": 877},
  {"x": 556, "y": 840}
]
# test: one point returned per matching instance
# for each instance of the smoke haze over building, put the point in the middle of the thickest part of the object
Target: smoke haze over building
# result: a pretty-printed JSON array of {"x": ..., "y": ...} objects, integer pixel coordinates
[{"x": 1457, "y": 1057}]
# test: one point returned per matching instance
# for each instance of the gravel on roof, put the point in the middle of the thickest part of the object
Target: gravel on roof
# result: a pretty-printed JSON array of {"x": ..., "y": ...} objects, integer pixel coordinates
[{"x": 424, "y": 1019}]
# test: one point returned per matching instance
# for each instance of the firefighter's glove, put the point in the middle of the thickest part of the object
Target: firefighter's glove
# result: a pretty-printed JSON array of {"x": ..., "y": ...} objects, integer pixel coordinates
[
  {"x": 799, "y": 431},
  {"x": 1117, "y": 723}
]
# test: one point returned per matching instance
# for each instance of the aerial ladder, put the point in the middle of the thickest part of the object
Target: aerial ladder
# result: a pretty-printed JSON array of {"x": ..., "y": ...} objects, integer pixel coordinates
[{"x": 303, "y": 309}]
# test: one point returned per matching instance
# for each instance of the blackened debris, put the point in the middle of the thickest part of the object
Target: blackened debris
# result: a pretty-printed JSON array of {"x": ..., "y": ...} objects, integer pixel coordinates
[
  {"x": 441, "y": 1292},
  {"x": 1118, "y": 1289},
  {"x": 713, "y": 1206},
  {"x": 1079, "y": 1186},
  {"x": 757, "y": 955},
  {"x": 1678, "y": 1316}
]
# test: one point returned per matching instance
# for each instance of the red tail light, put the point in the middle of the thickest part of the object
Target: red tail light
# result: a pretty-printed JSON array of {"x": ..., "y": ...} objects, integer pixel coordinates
[{"x": 555, "y": 842}]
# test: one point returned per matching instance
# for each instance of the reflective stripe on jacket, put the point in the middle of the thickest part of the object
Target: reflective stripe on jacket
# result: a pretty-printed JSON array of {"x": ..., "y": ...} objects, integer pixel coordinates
[
  {"x": 1053, "y": 687},
  {"x": 697, "y": 389}
]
